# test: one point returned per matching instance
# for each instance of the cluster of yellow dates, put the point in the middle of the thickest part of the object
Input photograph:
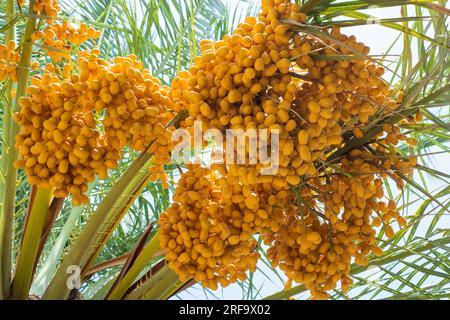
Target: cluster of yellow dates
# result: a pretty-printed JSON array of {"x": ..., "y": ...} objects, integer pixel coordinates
[
  {"x": 314, "y": 218},
  {"x": 60, "y": 141},
  {"x": 202, "y": 235},
  {"x": 48, "y": 8},
  {"x": 58, "y": 38},
  {"x": 9, "y": 58}
]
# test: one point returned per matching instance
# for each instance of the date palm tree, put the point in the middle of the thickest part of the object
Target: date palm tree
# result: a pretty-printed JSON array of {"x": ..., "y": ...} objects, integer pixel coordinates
[{"x": 114, "y": 239}]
